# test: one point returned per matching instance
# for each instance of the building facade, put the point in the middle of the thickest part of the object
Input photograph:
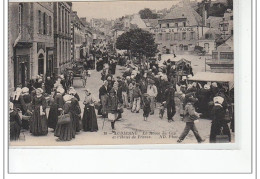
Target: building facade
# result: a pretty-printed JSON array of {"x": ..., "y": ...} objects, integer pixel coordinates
[
  {"x": 62, "y": 35},
  {"x": 222, "y": 60},
  {"x": 30, "y": 41},
  {"x": 77, "y": 37},
  {"x": 179, "y": 31}
]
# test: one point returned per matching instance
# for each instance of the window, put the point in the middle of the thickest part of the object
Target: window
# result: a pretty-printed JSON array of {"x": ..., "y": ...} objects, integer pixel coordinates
[
  {"x": 168, "y": 25},
  {"x": 176, "y": 25},
  {"x": 226, "y": 55},
  {"x": 231, "y": 17},
  {"x": 50, "y": 26},
  {"x": 68, "y": 26},
  {"x": 183, "y": 35},
  {"x": 225, "y": 27},
  {"x": 159, "y": 36},
  {"x": 59, "y": 19},
  {"x": 208, "y": 36},
  {"x": 167, "y": 36},
  {"x": 192, "y": 36},
  {"x": 20, "y": 12},
  {"x": 184, "y": 24},
  {"x": 65, "y": 22},
  {"x": 40, "y": 22},
  {"x": 215, "y": 55},
  {"x": 44, "y": 17},
  {"x": 185, "y": 47},
  {"x": 62, "y": 21},
  {"x": 176, "y": 36},
  {"x": 232, "y": 32},
  {"x": 160, "y": 25}
]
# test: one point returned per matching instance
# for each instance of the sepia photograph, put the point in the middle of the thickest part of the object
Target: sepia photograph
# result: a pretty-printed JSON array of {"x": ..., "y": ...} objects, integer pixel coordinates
[{"x": 121, "y": 73}]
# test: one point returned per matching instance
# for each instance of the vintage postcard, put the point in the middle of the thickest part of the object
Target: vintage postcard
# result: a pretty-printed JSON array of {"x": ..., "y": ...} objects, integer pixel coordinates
[{"x": 121, "y": 72}]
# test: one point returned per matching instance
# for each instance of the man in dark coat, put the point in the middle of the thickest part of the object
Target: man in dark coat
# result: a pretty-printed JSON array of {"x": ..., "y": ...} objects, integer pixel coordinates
[
  {"x": 170, "y": 93},
  {"x": 48, "y": 85},
  {"x": 103, "y": 93}
]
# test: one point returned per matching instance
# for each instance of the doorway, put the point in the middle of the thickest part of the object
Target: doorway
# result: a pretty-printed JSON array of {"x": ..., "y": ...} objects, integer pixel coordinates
[{"x": 40, "y": 64}]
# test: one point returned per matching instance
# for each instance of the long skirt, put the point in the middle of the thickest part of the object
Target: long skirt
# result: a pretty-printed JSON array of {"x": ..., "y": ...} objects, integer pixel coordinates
[
  {"x": 65, "y": 132},
  {"x": 216, "y": 130},
  {"x": 89, "y": 119},
  {"x": 38, "y": 123},
  {"x": 76, "y": 122},
  {"x": 14, "y": 130},
  {"x": 53, "y": 116}
]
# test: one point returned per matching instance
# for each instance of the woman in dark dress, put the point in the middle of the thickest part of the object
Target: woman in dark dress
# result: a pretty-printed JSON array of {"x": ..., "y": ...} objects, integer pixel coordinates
[
  {"x": 75, "y": 113},
  {"x": 218, "y": 122},
  {"x": 39, "y": 120},
  {"x": 89, "y": 119},
  {"x": 16, "y": 98},
  {"x": 65, "y": 132},
  {"x": 15, "y": 123},
  {"x": 26, "y": 102},
  {"x": 56, "y": 106},
  {"x": 146, "y": 106}
]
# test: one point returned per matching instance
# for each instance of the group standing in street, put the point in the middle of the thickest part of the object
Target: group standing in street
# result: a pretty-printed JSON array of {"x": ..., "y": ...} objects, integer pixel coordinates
[{"x": 141, "y": 88}]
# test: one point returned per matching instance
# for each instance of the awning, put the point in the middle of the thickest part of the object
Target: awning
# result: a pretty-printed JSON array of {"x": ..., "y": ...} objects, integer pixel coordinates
[{"x": 214, "y": 77}]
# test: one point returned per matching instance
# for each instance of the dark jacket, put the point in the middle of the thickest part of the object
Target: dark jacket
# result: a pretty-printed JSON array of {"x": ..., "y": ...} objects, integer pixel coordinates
[{"x": 103, "y": 91}]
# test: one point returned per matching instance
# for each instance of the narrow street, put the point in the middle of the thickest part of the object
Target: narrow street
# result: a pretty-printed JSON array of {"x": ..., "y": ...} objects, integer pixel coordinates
[{"x": 131, "y": 126}]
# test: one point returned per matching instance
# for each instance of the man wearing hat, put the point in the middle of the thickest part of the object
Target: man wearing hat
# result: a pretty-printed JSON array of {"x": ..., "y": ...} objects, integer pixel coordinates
[
  {"x": 152, "y": 92},
  {"x": 170, "y": 103},
  {"x": 190, "y": 115}
]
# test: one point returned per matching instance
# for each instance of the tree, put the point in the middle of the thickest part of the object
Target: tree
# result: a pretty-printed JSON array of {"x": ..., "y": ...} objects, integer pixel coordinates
[
  {"x": 138, "y": 42},
  {"x": 147, "y": 14}
]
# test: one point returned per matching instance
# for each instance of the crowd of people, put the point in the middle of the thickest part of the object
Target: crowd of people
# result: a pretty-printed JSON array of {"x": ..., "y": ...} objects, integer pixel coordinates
[{"x": 142, "y": 87}]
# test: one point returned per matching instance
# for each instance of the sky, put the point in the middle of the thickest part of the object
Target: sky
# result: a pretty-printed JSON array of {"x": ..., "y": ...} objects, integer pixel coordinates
[{"x": 115, "y": 9}]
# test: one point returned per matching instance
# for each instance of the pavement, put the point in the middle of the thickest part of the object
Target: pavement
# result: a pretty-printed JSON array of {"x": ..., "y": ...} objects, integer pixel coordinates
[{"x": 131, "y": 129}]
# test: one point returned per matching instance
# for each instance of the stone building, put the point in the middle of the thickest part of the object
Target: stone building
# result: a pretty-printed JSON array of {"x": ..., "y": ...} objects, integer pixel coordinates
[
  {"x": 179, "y": 31},
  {"x": 30, "y": 41},
  {"x": 77, "y": 37},
  {"x": 62, "y": 36}
]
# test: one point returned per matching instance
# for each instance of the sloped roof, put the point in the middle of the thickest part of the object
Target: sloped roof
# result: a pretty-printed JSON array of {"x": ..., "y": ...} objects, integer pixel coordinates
[
  {"x": 186, "y": 11},
  {"x": 214, "y": 21},
  {"x": 216, "y": 34},
  {"x": 151, "y": 22}
]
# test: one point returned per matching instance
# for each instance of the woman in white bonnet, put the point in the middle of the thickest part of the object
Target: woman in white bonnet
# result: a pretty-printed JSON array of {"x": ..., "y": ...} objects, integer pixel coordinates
[
  {"x": 218, "y": 123},
  {"x": 39, "y": 120},
  {"x": 65, "y": 132},
  {"x": 89, "y": 119},
  {"x": 26, "y": 101},
  {"x": 56, "y": 106}
]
